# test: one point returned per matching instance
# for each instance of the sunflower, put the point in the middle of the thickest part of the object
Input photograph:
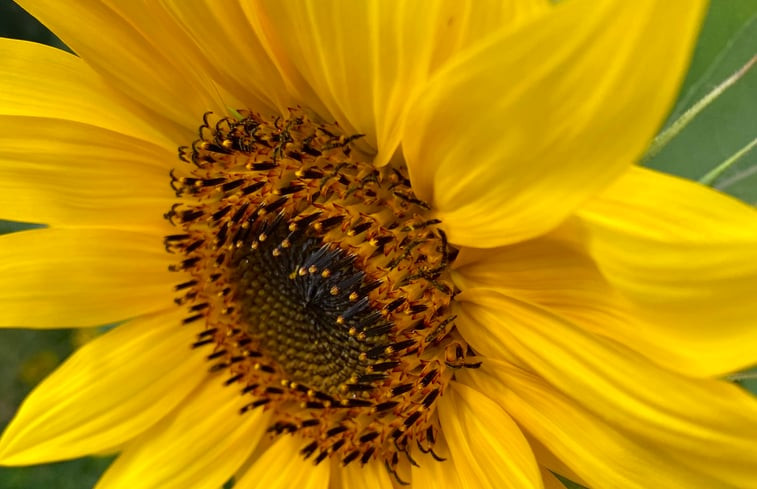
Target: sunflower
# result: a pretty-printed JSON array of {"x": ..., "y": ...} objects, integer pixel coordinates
[{"x": 372, "y": 244}]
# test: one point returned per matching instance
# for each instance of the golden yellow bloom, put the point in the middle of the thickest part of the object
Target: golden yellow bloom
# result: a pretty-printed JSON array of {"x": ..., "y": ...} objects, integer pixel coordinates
[{"x": 401, "y": 243}]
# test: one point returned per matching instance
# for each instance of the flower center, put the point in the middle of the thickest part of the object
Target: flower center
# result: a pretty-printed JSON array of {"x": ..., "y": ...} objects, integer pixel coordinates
[{"x": 322, "y": 283}]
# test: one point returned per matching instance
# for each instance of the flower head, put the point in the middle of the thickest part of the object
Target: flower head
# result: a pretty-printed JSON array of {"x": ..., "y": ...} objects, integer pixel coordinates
[{"x": 401, "y": 243}]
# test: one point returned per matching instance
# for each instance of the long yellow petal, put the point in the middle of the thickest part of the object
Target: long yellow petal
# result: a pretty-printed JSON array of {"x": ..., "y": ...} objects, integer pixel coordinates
[
  {"x": 363, "y": 61},
  {"x": 41, "y": 81},
  {"x": 708, "y": 421},
  {"x": 561, "y": 277},
  {"x": 146, "y": 57},
  {"x": 105, "y": 394},
  {"x": 686, "y": 257},
  {"x": 508, "y": 140},
  {"x": 282, "y": 467},
  {"x": 603, "y": 455},
  {"x": 487, "y": 447},
  {"x": 469, "y": 22},
  {"x": 71, "y": 174},
  {"x": 200, "y": 445},
  {"x": 52, "y": 278},
  {"x": 226, "y": 37}
]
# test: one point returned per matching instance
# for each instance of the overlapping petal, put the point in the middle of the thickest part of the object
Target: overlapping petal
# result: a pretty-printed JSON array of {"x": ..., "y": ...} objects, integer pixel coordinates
[
  {"x": 548, "y": 462},
  {"x": 557, "y": 273},
  {"x": 361, "y": 62},
  {"x": 200, "y": 445},
  {"x": 81, "y": 175},
  {"x": 145, "y": 56},
  {"x": 52, "y": 278},
  {"x": 470, "y": 22},
  {"x": 508, "y": 140},
  {"x": 487, "y": 447},
  {"x": 281, "y": 467},
  {"x": 105, "y": 394},
  {"x": 550, "y": 481},
  {"x": 708, "y": 424},
  {"x": 436, "y": 474},
  {"x": 602, "y": 454},
  {"x": 685, "y": 257},
  {"x": 372, "y": 474},
  {"x": 249, "y": 75},
  {"x": 41, "y": 81}
]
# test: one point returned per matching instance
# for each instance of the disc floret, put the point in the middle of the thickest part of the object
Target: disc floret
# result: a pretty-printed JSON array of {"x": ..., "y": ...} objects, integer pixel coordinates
[{"x": 321, "y": 282}]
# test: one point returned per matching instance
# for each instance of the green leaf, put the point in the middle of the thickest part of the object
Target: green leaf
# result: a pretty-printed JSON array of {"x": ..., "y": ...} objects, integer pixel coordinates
[{"x": 13, "y": 226}]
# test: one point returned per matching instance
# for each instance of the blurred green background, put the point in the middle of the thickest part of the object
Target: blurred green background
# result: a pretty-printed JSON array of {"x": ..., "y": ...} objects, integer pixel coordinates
[{"x": 728, "y": 41}]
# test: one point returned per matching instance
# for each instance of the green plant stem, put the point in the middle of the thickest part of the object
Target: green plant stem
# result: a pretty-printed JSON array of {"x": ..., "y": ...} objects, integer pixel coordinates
[
  {"x": 679, "y": 124},
  {"x": 743, "y": 376},
  {"x": 716, "y": 172}
]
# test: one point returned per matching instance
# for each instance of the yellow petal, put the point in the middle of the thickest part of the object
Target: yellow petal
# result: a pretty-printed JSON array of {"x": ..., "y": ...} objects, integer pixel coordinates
[
  {"x": 469, "y": 22},
  {"x": 686, "y": 257},
  {"x": 53, "y": 278},
  {"x": 603, "y": 455},
  {"x": 561, "y": 277},
  {"x": 509, "y": 139},
  {"x": 435, "y": 474},
  {"x": 200, "y": 445},
  {"x": 282, "y": 467},
  {"x": 40, "y": 81},
  {"x": 372, "y": 474},
  {"x": 72, "y": 174},
  {"x": 487, "y": 447},
  {"x": 107, "y": 393},
  {"x": 146, "y": 56},
  {"x": 361, "y": 62},
  {"x": 226, "y": 37},
  {"x": 648, "y": 204},
  {"x": 362, "y": 59},
  {"x": 711, "y": 422}
]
